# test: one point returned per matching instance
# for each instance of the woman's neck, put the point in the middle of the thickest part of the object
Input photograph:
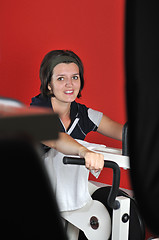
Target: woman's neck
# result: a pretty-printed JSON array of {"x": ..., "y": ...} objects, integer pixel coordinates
[{"x": 62, "y": 109}]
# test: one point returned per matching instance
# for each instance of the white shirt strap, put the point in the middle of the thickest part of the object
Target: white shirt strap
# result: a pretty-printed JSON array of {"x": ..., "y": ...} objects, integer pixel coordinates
[{"x": 73, "y": 126}]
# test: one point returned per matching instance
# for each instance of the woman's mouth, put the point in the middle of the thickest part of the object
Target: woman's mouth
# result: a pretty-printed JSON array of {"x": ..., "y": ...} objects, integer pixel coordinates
[{"x": 69, "y": 92}]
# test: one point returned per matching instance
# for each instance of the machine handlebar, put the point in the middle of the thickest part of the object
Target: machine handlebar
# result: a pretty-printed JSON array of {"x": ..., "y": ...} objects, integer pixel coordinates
[{"x": 114, "y": 204}]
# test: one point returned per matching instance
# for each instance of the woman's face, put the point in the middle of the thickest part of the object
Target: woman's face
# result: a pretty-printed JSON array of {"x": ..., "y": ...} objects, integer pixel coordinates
[{"x": 65, "y": 82}]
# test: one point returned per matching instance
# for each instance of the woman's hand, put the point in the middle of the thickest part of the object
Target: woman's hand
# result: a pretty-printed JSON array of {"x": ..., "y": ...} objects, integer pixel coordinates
[
  {"x": 93, "y": 161},
  {"x": 67, "y": 145}
]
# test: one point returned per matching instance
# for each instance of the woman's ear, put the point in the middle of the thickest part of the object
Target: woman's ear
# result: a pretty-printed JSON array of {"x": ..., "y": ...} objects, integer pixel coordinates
[
  {"x": 50, "y": 92},
  {"x": 49, "y": 87}
]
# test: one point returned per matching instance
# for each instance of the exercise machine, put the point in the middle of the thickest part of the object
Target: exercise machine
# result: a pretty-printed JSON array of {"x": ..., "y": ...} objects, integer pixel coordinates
[
  {"x": 122, "y": 218},
  {"x": 113, "y": 213}
]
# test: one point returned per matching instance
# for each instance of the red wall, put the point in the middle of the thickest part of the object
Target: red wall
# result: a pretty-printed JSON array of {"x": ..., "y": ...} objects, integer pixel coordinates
[{"x": 93, "y": 29}]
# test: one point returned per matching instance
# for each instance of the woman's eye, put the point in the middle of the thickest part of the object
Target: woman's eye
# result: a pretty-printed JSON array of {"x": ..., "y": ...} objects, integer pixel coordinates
[
  {"x": 60, "y": 78},
  {"x": 75, "y": 77}
]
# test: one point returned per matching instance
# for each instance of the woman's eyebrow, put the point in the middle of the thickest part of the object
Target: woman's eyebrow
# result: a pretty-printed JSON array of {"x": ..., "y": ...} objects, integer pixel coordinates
[{"x": 62, "y": 74}]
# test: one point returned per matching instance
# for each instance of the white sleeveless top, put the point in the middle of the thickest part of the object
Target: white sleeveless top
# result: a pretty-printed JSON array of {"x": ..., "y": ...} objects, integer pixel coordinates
[{"x": 69, "y": 182}]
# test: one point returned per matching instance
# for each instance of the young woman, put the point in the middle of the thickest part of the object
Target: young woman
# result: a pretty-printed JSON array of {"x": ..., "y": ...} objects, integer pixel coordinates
[{"x": 62, "y": 80}]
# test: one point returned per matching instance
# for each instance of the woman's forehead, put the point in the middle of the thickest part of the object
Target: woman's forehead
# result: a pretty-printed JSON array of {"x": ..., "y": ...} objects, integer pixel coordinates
[{"x": 62, "y": 68}]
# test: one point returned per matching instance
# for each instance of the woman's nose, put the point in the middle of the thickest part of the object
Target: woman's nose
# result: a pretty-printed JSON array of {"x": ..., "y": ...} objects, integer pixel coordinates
[{"x": 69, "y": 82}]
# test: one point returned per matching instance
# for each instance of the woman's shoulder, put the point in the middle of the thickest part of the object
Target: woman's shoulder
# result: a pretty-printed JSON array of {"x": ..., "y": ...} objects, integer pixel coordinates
[
  {"x": 80, "y": 106},
  {"x": 86, "y": 112},
  {"x": 83, "y": 108},
  {"x": 40, "y": 101},
  {"x": 78, "y": 109}
]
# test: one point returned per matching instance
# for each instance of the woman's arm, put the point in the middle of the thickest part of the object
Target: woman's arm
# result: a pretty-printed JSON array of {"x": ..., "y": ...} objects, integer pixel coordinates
[
  {"x": 110, "y": 128},
  {"x": 67, "y": 145}
]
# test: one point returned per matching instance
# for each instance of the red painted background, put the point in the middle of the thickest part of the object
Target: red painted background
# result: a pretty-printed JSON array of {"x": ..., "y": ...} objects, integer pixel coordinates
[{"x": 93, "y": 29}]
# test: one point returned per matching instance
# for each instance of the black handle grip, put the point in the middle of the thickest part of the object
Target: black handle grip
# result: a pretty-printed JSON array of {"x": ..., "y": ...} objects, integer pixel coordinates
[
  {"x": 74, "y": 160},
  {"x": 114, "y": 204}
]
